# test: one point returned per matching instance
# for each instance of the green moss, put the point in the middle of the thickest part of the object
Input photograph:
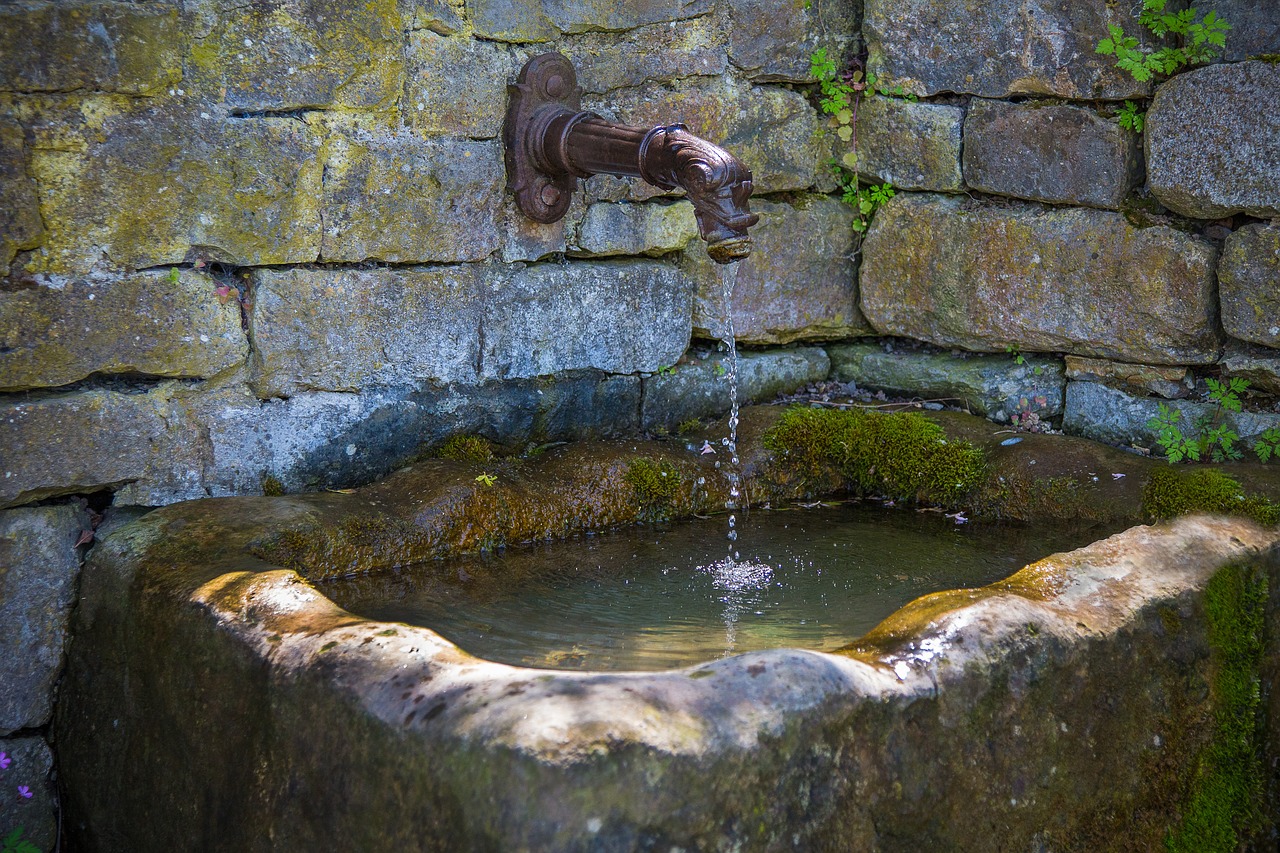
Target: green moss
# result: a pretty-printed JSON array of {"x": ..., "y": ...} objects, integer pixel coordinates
[
  {"x": 691, "y": 425},
  {"x": 904, "y": 455},
  {"x": 1171, "y": 493},
  {"x": 1225, "y": 804},
  {"x": 466, "y": 448},
  {"x": 655, "y": 485},
  {"x": 271, "y": 486}
]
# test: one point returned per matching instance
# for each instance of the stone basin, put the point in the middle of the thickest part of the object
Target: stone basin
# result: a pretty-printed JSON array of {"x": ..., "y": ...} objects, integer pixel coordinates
[{"x": 215, "y": 698}]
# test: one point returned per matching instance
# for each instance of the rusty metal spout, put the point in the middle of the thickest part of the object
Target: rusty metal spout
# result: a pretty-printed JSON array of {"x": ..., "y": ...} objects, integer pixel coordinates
[{"x": 551, "y": 142}]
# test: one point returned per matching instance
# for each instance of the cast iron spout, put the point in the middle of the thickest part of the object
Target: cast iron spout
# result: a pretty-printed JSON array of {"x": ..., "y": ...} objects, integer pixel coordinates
[{"x": 551, "y": 143}]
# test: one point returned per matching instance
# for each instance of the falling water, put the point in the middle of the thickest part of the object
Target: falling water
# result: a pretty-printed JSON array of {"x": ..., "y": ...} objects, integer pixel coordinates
[
  {"x": 728, "y": 274},
  {"x": 739, "y": 579}
]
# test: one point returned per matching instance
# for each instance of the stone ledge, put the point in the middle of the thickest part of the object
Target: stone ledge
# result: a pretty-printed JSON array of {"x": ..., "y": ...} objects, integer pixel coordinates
[{"x": 995, "y": 387}]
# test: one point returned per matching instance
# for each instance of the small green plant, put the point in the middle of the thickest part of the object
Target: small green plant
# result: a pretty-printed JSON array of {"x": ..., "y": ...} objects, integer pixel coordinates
[
  {"x": 1199, "y": 41},
  {"x": 1211, "y": 437},
  {"x": 1227, "y": 394},
  {"x": 1268, "y": 444},
  {"x": 719, "y": 370},
  {"x": 839, "y": 98},
  {"x": 15, "y": 843},
  {"x": 1018, "y": 358},
  {"x": 486, "y": 479},
  {"x": 1169, "y": 436},
  {"x": 1131, "y": 118},
  {"x": 669, "y": 370}
]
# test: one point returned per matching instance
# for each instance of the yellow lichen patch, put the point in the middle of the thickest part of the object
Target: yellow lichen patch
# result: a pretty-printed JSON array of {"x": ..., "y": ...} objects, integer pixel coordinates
[{"x": 1039, "y": 581}]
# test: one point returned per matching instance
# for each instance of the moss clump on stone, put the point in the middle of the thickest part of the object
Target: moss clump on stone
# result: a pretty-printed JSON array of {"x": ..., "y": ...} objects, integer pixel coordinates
[
  {"x": 271, "y": 486},
  {"x": 1224, "y": 807},
  {"x": 691, "y": 425},
  {"x": 655, "y": 486},
  {"x": 904, "y": 456},
  {"x": 466, "y": 448},
  {"x": 1171, "y": 493}
]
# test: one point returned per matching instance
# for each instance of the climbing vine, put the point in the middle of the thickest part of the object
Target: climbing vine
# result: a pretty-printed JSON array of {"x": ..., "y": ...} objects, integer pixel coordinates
[{"x": 840, "y": 95}]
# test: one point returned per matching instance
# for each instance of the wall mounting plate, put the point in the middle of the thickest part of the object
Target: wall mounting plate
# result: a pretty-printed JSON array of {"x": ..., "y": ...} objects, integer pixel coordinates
[{"x": 547, "y": 87}]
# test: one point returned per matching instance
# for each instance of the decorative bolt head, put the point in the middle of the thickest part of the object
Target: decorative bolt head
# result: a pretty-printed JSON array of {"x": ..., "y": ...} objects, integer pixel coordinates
[
  {"x": 550, "y": 195},
  {"x": 556, "y": 87}
]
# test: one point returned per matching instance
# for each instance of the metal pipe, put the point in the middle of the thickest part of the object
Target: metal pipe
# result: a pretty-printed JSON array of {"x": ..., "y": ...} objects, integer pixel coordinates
[{"x": 551, "y": 142}]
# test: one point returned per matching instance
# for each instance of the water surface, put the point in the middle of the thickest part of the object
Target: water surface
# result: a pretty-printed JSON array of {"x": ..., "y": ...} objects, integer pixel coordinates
[{"x": 663, "y": 596}]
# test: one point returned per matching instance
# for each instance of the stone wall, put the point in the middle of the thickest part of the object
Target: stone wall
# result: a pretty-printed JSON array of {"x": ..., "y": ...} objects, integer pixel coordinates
[{"x": 271, "y": 243}]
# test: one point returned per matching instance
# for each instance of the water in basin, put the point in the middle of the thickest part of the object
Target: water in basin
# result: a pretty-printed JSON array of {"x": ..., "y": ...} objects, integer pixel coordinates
[{"x": 663, "y": 596}]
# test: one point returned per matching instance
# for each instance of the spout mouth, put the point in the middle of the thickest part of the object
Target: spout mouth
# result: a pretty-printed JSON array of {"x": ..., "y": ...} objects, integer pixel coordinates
[{"x": 729, "y": 250}]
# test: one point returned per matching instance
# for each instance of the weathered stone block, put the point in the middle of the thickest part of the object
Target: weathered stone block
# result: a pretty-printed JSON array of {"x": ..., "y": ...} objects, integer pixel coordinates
[
  {"x": 457, "y": 85},
  {"x": 635, "y": 229},
  {"x": 1213, "y": 141},
  {"x": 542, "y": 20},
  {"x": 38, "y": 569},
  {"x": 403, "y": 200},
  {"x": 1058, "y": 154},
  {"x": 587, "y": 405},
  {"x": 523, "y": 239},
  {"x": 657, "y": 53},
  {"x": 1259, "y": 367},
  {"x": 162, "y": 186},
  {"x": 615, "y": 316},
  {"x": 20, "y": 224},
  {"x": 133, "y": 48},
  {"x": 996, "y": 387},
  {"x": 144, "y": 445},
  {"x": 1255, "y": 26},
  {"x": 298, "y": 54},
  {"x": 438, "y": 16},
  {"x": 773, "y": 41},
  {"x": 340, "y": 330},
  {"x": 1249, "y": 284},
  {"x": 785, "y": 292},
  {"x": 1009, "y": 47},
  {"x": 317, "y": 440},
  {"x": 961, "y": 273},
  {"x": 769, "y": 129},
  {"x": 699, "y": 386},
  {"x": 1163, "y": 381},
  {"x": 913, "y": 146},
  {"x": 154, "y": 323},
  {"x": 30, "y": 767},
  {"x": 1109, "y": 415}
]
